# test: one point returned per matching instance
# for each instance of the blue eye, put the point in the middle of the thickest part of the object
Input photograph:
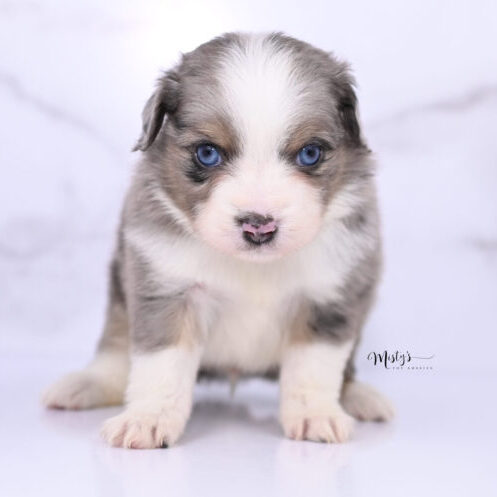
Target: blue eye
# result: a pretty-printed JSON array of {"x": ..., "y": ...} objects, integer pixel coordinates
[
  {"x": 309, "y": 155},
  {"x": 208, "y": 155}
]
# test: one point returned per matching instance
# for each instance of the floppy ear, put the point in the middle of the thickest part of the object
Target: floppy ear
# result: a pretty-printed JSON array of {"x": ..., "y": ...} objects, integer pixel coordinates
[
  {"x": 347, "y": 108},
  {"x": 163, "y": 101}
]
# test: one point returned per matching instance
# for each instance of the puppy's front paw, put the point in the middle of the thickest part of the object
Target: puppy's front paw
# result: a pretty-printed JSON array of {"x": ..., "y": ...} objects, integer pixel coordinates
[
  {"x": 332, "y": 425},
  {"x": 142, "y": 430}
]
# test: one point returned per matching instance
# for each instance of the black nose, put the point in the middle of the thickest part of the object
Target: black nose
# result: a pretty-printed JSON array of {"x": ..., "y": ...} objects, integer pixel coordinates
[{"x": 256, "y": 228}]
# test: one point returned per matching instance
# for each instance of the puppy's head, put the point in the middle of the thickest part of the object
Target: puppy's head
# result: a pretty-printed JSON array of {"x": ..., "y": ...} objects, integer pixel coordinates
[{"x": 251, "y": 137}]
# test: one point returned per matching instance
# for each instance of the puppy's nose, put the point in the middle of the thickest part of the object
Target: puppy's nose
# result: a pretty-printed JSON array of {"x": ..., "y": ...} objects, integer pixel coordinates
[{"x": 256, "y": 228}]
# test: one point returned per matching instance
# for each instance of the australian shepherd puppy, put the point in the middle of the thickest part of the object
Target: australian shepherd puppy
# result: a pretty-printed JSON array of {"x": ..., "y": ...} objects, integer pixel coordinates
[{"x": 248, "y": 245}]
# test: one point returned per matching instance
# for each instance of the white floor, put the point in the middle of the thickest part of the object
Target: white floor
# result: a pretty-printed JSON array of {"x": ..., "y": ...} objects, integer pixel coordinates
[{"x": 443, "y": 442}]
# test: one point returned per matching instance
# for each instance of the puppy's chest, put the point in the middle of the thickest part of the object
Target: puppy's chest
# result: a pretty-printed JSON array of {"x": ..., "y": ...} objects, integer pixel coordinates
[
  {"x": 256, "y": 307},
  {"x": 249, "y": 329}
]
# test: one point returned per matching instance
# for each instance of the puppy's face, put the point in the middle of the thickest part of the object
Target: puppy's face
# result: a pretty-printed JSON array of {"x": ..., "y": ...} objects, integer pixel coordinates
[{"x": 261, "y": 135}]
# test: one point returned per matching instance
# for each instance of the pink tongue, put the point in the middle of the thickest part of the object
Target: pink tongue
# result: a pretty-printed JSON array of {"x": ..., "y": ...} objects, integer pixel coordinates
[{"x": 265, "y": 228}]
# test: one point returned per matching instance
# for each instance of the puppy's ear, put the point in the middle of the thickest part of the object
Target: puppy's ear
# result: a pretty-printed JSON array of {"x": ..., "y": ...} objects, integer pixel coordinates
[
  {"x": 347, "y": 107},
  {"x": 163, "y": 101}
]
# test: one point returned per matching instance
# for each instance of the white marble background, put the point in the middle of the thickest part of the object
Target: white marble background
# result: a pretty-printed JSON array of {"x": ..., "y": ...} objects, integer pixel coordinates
[{"x": 74, "y": 76}]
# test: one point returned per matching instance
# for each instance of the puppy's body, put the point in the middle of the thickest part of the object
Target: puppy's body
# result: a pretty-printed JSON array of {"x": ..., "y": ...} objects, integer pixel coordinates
[{"x": 255, "y": 264}]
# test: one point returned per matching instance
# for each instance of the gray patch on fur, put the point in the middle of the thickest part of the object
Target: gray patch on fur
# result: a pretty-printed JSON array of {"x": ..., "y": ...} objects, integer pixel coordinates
[
  {"x": 115, "y": 336},
  {"x": 116, "y": 286},
  {"x": 343, "y": 320},
  {"x": 357, "y": 220},
  {"x": 156, "y": 321},
  {"x": 330, "y": 321},
  {"x": 157, "y": 314}
]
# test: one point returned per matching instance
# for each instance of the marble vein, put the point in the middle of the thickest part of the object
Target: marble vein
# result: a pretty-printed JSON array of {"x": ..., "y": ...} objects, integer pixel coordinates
[
  {"x": 17, "y": 90},
  {"x": 461, "y": 103}
]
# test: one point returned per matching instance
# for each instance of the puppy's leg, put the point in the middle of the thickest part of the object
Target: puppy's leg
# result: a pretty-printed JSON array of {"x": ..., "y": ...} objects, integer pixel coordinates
[
  {"x": 310, "y": 383},
  {"x": 159, "y": 399},
  {"x": 103, "y": 381},
  {"x": 167, "y": 345}
]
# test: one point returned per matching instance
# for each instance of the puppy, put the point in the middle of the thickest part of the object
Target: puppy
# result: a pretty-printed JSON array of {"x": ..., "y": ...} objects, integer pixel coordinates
[{"x": 248, "y": 245}]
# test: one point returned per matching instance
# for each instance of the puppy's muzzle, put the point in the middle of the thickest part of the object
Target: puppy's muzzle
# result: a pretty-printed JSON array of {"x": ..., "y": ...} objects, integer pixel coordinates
[{"x": 256, "y": 228}]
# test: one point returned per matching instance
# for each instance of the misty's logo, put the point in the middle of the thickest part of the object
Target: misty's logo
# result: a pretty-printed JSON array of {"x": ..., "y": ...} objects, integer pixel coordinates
[{"x": 399, "y": 360}]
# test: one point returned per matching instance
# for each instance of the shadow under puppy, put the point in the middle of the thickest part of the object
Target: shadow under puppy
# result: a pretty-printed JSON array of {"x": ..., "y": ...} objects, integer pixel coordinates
[{"x": 249, "y": 243}]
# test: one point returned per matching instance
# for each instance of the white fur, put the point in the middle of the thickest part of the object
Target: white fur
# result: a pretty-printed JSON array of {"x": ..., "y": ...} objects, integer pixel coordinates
[
  {"x": 310, "y": 381},
  {"x": 247, "y": 336},
  {"x": 158, "y": 398},
  {"x": 262, "y": 95},
  {"x": 101, "y": 383}
]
